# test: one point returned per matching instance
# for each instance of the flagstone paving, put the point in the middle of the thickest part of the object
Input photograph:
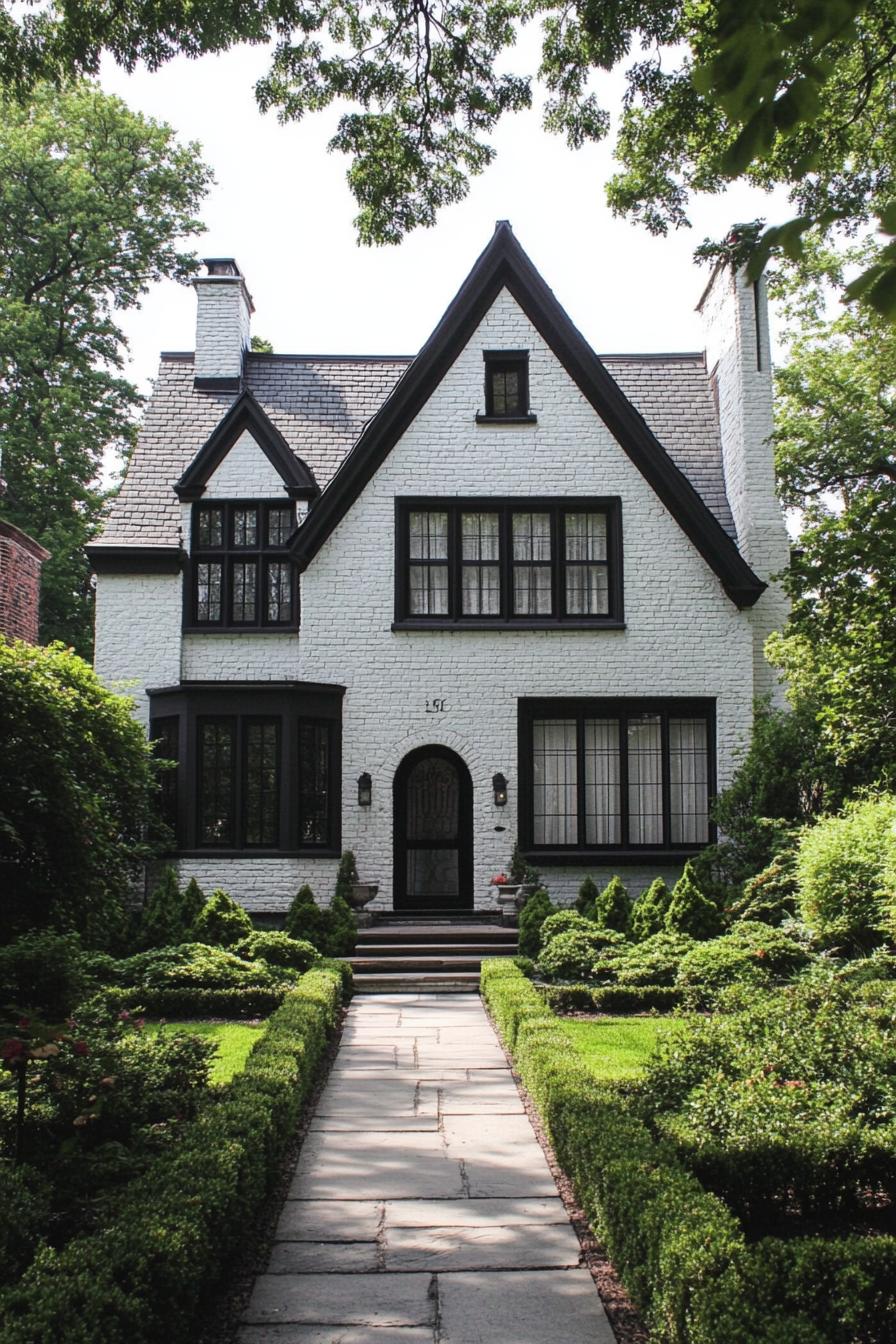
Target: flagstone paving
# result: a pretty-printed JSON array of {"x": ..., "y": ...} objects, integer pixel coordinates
[{"x": 422, "y": 1209}]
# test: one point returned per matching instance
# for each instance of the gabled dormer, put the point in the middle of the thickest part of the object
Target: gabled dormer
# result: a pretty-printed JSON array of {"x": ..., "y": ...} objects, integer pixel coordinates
[{"x": 245, "y": 430}]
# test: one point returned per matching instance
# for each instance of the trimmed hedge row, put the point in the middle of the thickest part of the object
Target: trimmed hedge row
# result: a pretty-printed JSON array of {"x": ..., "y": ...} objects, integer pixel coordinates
[
  {"x": 255, "y": 1001},
  {"x": 610, "y": 998},
  {"x": 145, "y": 1277},
  {"x": 678, "y": 1249}
]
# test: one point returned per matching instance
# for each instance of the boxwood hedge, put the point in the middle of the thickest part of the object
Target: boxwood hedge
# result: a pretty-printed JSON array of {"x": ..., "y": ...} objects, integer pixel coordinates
[
  {"x": 679, "y": 1250},
  {"x": 145, "y": 1278}
]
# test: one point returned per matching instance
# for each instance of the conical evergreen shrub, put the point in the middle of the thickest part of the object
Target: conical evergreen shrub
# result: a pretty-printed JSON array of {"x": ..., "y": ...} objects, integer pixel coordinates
[
  {"x": 193, "y": 900},
  {"x": 689, "y": 910},
  {"x": 532, "y": 916},
  {"x": 221, "y": 921},
  {"x": 649, "y": 911},
  {"x": 588, "y": 894},
  {"x": 304, "y": 918},
  {"x": 163, "y": 922},
  {"x": 613, "y": 907}
]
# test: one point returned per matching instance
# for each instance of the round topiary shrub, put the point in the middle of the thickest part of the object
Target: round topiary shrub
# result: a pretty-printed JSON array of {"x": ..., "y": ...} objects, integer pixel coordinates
[
  {"x": 277, "y": 949},
  {"x": 655, "y": 961},
  {"x": 196, "y": 966},
  {"x": 846, "y": 874},
  {"x": 571, "y": 956},
  {"x": 779, "y": 955},
  {"x": 751, "y": 952},
  {"x": 564, "y": 921},
  {"x": 221, "y": 921}
]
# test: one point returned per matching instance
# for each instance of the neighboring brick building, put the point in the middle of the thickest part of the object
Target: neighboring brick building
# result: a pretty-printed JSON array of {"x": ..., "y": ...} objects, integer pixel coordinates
[
  {"x": 533, "y": 594},
  {"x": 20, "y": 562}
]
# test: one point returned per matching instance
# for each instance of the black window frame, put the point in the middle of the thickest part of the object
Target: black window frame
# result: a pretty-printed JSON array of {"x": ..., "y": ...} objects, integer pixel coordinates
[
  {"x": 557, "y": 507},
  {"x": 288, "y": 705},
  {"x": 228, "y": 555},
  {"x": 499, "y": 362},
  {"x": 622, "y": 708}
]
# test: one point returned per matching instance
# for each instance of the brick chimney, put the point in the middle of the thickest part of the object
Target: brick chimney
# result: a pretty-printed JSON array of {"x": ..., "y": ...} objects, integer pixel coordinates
[
  {"x": 738, "y": 358},
  {"x": 223, "y": 312}
]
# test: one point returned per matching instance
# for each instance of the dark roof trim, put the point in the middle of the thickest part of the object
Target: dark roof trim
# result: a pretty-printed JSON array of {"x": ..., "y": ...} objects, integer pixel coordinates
[
  {"x": 247, "y": 414},
  {"x": 135, "y": 559},
  {"x": 504, "y": 264},
  {"x": 225, "y": 687}
]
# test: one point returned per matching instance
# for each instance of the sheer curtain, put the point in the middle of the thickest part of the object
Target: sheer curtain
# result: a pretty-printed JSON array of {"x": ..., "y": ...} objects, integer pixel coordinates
[
  {"x": 688, "y": 781},
  {"x": 481, "y": 587},
  {"x": 555, "y": 782},
  {"x": 428, "y": 543},
  {"x": 645, "y": 780},
  {"x": 603, "y": 818},
  {"x": 587, "y": 584}
]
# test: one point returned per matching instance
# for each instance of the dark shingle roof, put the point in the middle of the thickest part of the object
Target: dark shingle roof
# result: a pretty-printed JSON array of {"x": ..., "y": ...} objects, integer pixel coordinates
[{"x": 321, "y": 403}]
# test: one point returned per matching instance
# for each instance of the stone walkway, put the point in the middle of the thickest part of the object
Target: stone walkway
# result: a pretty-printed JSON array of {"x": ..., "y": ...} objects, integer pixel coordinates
[{"x": 422, "y": 1210}]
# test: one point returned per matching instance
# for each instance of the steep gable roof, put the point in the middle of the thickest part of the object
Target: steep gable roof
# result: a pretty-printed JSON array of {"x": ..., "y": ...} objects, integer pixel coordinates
[
  {"x": 246, "y": 414},
  {"x": 504, "y": 264}
]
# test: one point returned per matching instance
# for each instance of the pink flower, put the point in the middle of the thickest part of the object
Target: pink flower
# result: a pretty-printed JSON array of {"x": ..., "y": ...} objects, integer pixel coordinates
[
  {"x": 81, "y": 1048},
  {"x": 12, "y": 1048}
]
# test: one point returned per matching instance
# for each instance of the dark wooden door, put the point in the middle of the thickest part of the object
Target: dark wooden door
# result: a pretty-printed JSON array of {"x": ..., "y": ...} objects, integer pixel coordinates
[{"x": 433, "y": 832}]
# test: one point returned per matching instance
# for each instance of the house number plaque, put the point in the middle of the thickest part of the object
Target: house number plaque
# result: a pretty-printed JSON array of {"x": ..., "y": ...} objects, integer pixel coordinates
[{"x": 435, "y": 706}]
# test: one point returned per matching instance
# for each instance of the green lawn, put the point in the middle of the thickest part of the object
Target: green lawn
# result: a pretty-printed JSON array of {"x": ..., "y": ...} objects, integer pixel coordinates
[
  {"x": 234, "y": 1041},
  {"x": 617, "y": 1047}
]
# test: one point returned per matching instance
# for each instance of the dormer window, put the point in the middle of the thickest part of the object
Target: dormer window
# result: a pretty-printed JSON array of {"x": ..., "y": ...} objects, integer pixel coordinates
[
  {"x": 506, "y": 387},
  {"x": 241, "y": 577}
]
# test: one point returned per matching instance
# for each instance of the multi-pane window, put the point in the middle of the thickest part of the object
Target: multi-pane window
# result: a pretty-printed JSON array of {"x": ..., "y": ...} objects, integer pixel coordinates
[
  {"x": 508, "y": 561},
  {"x": 506, "y": 384},
  {"x": 241, "y": 574},
  {"x": 616, "y": 774},
  {"x": 257, "y": 770}
]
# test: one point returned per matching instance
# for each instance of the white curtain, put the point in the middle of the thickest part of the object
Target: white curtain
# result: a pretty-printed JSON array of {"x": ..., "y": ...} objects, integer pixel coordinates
[
  {"x": 645, "y": 780},
  {"x": 603, "y": 820},
  {"x": 555, "y": 782},
  {"x": 688, "y": 781},
  {"x": 531, "y": 579},
  {"x": 428, "y": 540},
  {"x": 481, "y": 582}
]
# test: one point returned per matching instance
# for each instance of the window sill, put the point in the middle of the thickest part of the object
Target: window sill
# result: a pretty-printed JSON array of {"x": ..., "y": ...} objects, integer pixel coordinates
[
  {"x": 593, "y": 857},
  {"x": 240, "y": 629},
  {"x": 506, "y": 419},
  {"x": 472, "y": 623}
]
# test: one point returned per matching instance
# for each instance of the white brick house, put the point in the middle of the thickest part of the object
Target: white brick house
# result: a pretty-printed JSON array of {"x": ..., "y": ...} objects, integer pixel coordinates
[{"x": 420, "y": 608}]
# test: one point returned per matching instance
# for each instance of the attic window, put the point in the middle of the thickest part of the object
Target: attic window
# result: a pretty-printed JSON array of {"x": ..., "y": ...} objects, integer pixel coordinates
[
  {"x": 506, "y": 388},
  {"x": 241, "y": 575}
]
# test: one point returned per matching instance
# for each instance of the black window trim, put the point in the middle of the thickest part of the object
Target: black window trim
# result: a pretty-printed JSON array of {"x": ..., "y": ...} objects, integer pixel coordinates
[
  {"x": 228, "y": 555},
  {"x": 580, "y": 708},
  {"x": 493, "y": 359},
  {"x": 245, "y": 702},
  {"x": 506, "y": 505}
]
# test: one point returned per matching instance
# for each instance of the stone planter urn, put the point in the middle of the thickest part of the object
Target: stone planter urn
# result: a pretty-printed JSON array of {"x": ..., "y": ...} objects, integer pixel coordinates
[
  {"x": 506, "y": 893},
  {"x": 523, "y": 892},
  {"x": 360, "y": 894}
]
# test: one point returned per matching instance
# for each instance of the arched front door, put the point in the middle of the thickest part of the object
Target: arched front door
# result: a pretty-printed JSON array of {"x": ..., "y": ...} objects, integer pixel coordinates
[{"x": 433, "y": 798}]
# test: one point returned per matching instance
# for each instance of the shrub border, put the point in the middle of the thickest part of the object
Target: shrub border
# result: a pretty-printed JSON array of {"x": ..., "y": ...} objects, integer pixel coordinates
[
  {"x": 678, "y": 1249},
  {"x": 144, "y": 1278}
]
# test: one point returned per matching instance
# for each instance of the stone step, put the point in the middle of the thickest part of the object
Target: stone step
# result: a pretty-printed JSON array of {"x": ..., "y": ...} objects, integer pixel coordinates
[
  {"x": 445, "y": 949},
  {"x": 415, "y": 933},
  {"x": 430, "y": 964},
  {"x": 417, "y": 982}
]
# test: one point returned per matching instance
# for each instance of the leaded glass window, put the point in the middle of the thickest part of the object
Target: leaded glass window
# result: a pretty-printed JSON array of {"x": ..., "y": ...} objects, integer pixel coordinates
[{"x": 241, "y": 576}]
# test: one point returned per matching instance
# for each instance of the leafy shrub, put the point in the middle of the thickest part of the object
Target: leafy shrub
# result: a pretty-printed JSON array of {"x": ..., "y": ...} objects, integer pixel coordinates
[
  {"x": 42, "y": 973},
  {"x": 564, "y": 921},
  {"x": 147, "y": 1274},
  {"x": 587, "y": 895},
  {"x": 77, "y": 796},
  {"x": 653, "y": 962},
  {"x": 304, "y": 917},
  {"x": 613, "y": 907},
  {"x": 786, "y": 1103},
  {"x": 164, "y": 919},
  {"x": 750, "y": 952},
  {"x": 526, "y": 965},
  {"x": 24, "y": 1216},
  {"x": 571, "y": 956},
  {"x": 635, "y": 998},
  {"x": 532, "y": 916},
  {"x": 195, "y": 966},
  {"x": 278, "y": 949},
  {"x": 689, "y": 911},
  {"x": 678, "y": 1249},
  {"x": 771, "y": 895},
  {"x": 340, "y": 928},
  {"x": 195, "y": 1001},
  {"x": 221, "y": 921},
  {"x": 649, "y": 911},
  {"x": 846, "y": 874}
]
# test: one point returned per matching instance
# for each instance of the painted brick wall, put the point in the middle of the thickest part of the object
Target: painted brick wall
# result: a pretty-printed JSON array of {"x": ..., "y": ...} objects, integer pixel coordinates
[
  {"x": 138, "y": 634},
  {"x": 222, "y": 326},
  {"x": 683, "y": 637},
  {"x": 738, "y": 353},
  {"x": 20, "y": 562}
]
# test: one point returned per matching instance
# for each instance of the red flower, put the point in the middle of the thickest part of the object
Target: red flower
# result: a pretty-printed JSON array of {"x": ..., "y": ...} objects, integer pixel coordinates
[
  {"x": 12, "y": 1048},
  {"x": 81, "y": 1048},
  {"x": 499, "y": 880},
  {"x": 23, "y": 1023}
]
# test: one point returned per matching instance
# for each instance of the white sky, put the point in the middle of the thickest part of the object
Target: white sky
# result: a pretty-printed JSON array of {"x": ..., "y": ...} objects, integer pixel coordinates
[{"x": 281, "y": 206}]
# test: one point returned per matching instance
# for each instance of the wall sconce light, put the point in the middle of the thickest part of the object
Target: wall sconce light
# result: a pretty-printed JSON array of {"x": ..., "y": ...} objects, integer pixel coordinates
[
  {"x": 499, "y": 784},
  {"x": 365, "y": 790}
]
